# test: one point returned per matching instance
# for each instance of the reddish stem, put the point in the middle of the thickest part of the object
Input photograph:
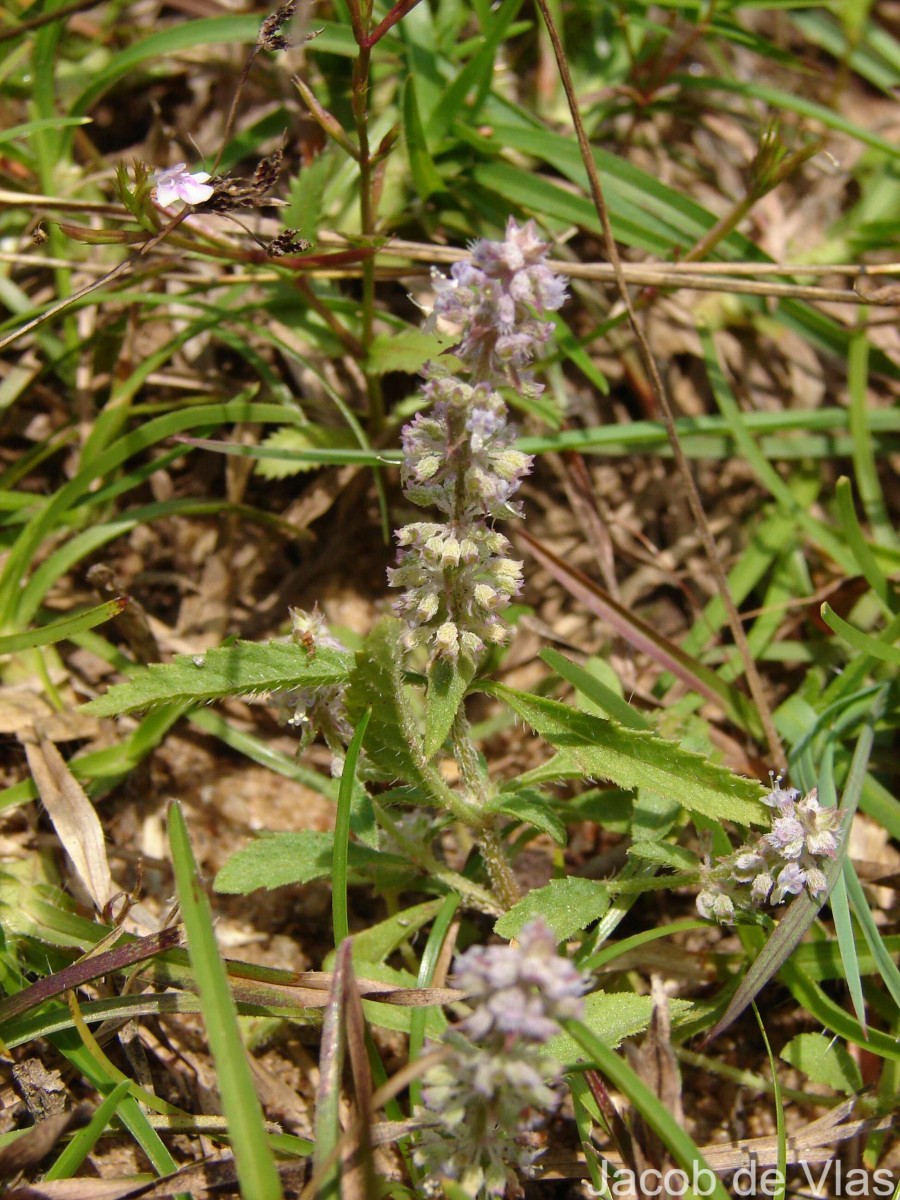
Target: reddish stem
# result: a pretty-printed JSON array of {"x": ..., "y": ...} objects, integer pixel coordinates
[{"x": 397, "y": 13}]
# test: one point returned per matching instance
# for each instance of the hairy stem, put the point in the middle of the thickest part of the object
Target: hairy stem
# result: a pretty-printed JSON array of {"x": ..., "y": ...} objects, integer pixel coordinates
[{"x": 479, "y": 789}]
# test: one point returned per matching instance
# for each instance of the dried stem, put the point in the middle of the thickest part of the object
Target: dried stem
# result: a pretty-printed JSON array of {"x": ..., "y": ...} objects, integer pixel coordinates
[{"x": 776, "y": 752}]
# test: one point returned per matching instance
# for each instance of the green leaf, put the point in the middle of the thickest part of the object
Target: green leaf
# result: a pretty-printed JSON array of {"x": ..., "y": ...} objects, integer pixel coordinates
[
  {"x": 340, "y": 854},
  {"x": 665, "y": 854},
  {"x": 253, "y": 1156},
  {"x": 591, "y": 747},
  {"x": 824, "y": 1060},
  {"x": 31, "y": 127},
  {"x": 168, "y": 44},
  {"x": 532, "y": 807},
  {"x": 447, "y": 683},
  {"x": 378, "y": 942},
  {"x": 567, "y": 905},
  {"x": 65, "y": 627},
  {"x": 304, "y": 437},
  {"x": 612, "y": 1017},
  {"x": 244, "y": 669},
  {"x": 625, "y": 1079},
  {"x": 876, "y": 647},
  {"x": 277, "y": 859},
  {"x": 407, "y": 350},
  {"x": 392, "y": 740},
  {"x": 425, "y": 175}
]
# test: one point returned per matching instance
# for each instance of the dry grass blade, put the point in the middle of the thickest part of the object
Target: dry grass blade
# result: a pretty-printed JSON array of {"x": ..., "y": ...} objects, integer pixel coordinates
[
  {"x": 754, "y": 681},
  {"x": 216, "y": 1176},
  {"x": 85, "y": 969},
  {"x": 34, "y": 1145},
  {"x": 358, "y": 1180},
  {"x": 74, "y": 818}
]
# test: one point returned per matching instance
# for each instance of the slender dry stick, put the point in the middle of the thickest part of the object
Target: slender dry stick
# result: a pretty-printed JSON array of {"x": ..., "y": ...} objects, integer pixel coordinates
[
  {"x": 123, "y": 268},
  {"x": 776, "y": 752},
  {"x": 360, "y": 104},
  {"x": 33, "y": 23}
]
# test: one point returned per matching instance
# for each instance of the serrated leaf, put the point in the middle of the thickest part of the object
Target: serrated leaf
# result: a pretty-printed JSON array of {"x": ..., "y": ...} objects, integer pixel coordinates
[
  {"x": 447, "y": 683},
  {"x": 243, "y": 669},
  {"x": 277, "y": 859},
  {"x": 567, "y": 905},
  {"x": 824, "y": 1060},
  {"x": 612, "y": 1016},
  {"x": 302, "y": 437},
  {"x": 665, "y": 854},
  {"x": 392, "y": 741},
  {"x": 406, "y": 351},
  {"x": 533, "y": 808},
  {"x": 593, "y": 748}
]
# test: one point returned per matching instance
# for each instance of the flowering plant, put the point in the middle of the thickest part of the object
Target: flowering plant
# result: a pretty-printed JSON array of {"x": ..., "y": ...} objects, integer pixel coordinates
[{"x": 392, "y": 740}]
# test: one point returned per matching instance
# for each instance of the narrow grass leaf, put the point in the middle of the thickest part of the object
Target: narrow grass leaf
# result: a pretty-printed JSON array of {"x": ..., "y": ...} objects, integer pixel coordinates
[
  {"x": 168, "y": 44},
  {"x": 624, "y": 1079},
  {"x": 439, "y": 940},
  {"x": 65, "y": 627},
  {"x": 880, "y": 952},
  {"x": 777, "y": 99},
  {"x": 594, "y": 689},
  {"x": 865, "y": 467},
  {"x": 860, "y": 548},
  {"x": 872, "y": 646},
  {"x": 780, "y": 1131},
  {"x": 84, "y": 1141},
  {"x": 643, "y": 637},
  {"x": 840, "y": 907},
  {"x": 247, "y": 1132},
  {"x": 424, "y": 174}
]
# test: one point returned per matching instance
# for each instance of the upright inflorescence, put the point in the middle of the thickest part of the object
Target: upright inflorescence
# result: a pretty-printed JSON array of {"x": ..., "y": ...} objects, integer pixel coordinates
[
  {"x": 321, "y": 709},
  {"x": 498, "y": 1082},
  {"x": 788, "y": 859},
  {"x": 458, "y": 456}
]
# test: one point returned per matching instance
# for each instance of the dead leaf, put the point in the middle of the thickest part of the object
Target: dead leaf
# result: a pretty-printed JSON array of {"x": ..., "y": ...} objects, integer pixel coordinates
[
  {"x": 74, "y": 818},
  {"x": 38, "y": 1141}
]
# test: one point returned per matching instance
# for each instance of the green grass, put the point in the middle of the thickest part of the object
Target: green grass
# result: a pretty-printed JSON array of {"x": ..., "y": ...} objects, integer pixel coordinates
[{"x": 183, "y": 407}]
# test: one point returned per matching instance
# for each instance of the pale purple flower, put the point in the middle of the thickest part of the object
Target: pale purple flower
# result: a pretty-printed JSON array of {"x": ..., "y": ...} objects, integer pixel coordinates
[
  {"x": 459, "y": 456},
  {"x": 478, "y": 1105},
  {"x": 316, "y": 710},
  {"x": 786, "y": 837},
  {"x": 784, "y": 861},
  {"x": 497, "y": 1082},
  {"x": 177, "y": 183},
  {"x": 523, "y": 990},
  {"x": 791, "y": 881},
  {"x": 496, "y": 298}
]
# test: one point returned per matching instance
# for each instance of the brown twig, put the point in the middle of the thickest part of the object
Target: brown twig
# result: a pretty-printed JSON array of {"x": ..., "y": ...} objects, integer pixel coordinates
[
  {"x": 754, "y": 681},
  {"x": 60, "y": 14}
]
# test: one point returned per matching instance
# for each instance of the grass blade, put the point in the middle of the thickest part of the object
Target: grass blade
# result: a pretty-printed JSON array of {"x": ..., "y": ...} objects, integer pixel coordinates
[
  {"x": 660, "y": 1120},
  {"x": 65, "y": 627},
  {"x": 253, "y": 1157}
]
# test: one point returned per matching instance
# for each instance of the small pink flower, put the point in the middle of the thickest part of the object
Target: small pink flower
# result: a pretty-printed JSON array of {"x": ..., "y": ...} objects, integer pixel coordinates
[{"x": 176, "y": 183}]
